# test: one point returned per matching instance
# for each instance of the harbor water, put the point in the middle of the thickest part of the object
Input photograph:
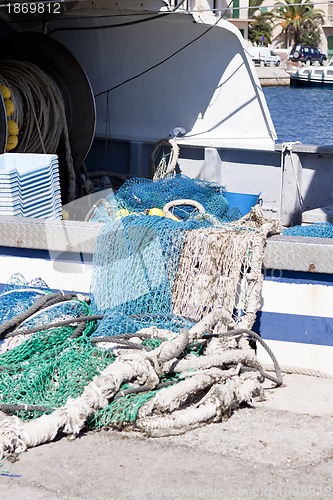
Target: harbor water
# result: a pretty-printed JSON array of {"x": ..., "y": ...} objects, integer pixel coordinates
[{"x": 301, "y": 114}]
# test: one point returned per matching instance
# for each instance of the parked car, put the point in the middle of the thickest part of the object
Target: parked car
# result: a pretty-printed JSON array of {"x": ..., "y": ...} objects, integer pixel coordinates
[
  {"x": 308, "y": 55},
  {"x": 264, "y": 55}
]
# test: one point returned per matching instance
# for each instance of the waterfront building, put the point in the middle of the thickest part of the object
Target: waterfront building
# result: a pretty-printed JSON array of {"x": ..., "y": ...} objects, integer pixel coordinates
[{"x": 236, "y": 11}]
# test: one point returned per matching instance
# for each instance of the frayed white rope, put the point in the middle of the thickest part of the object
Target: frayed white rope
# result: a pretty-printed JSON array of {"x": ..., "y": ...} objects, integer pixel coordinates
[{"x": 16, "y": 436}]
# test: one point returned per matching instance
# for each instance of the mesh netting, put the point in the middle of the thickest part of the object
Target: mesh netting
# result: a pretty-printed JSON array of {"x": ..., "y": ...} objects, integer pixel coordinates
[
  {"x": 136, "y": 258},
  {"x": 42, "y": 369},
  {"x": 55, "y": 313},
  {"x": 318, "y": 230},
  {"x": 149, "y": 271},
  {"x": 117, "y": 323},
  {"x": 135, "y": 264},
  {"x": 121, "y": 412},
  {"x": 18, "y": 282},
  {"x": 19, "y": 295},
  {"x": 46, "y": 367},
  {"x": 15, "y": 302},
  {"x": 49, "y": 368},
  {"x": 139, "y": 195},
  {"x": 220, "y": 268},
  {"x": 52, "y": 314}
]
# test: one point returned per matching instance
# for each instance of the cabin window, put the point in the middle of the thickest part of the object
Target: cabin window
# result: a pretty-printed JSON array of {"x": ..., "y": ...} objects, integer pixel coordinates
[{"x": 330, "y": 72}]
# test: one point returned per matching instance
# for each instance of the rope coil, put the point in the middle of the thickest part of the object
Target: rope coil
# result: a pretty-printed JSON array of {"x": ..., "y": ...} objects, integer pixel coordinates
[
  {"x": 164, "y": 167},
  {"x": 38, "y": 109}
]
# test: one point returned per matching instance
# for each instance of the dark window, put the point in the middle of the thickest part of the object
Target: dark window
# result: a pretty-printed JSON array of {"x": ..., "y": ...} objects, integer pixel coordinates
[
  {"x": 330, "y": 42},
  {"x": 235, "y": 11}
]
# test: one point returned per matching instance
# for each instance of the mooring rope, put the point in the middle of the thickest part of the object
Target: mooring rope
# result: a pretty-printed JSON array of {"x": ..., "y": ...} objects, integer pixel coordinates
[
  {"x": 278, "y": 380},
  {"x": 35, "y": 104},
  {"x": 296, "y": 370},
  {"x": 163, "y": 168}
]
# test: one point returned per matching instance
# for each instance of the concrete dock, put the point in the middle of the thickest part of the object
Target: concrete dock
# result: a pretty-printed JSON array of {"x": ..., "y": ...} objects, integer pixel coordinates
[
  {"x": 272, "y": 75},
  {"x": 282, "y": 448}
]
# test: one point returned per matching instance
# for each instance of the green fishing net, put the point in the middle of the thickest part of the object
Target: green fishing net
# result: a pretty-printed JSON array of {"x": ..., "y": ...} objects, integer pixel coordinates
[{"x": 42, "y": 370}]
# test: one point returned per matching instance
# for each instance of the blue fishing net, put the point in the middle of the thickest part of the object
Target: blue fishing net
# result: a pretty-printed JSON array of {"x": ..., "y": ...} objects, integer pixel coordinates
[
  {"x": 17, "y": 302},
  {"x": 135, "y": 264},
  {"x": 140, "y": 194},
  {"x": 318, "y": 230},
  {"x": 69, "y": 309},
  {"x": 20, "y": 294},
  {"x": 117, "y": 323},
  {"x": 14, "y": 302},
  {"x": 136, "y": 257},
  {"x": 18, "y": 282}
]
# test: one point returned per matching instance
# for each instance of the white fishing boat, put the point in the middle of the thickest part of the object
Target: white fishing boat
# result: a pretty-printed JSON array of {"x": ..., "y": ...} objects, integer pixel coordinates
[
  {"x": 312, "y": 76},
  {"x": 149, "y": 69}
]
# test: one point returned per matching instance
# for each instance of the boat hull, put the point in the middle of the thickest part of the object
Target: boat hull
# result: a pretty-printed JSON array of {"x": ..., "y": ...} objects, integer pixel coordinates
[
  {"x": 295, "y": 319},
  {"x": 307, "y": 82}
]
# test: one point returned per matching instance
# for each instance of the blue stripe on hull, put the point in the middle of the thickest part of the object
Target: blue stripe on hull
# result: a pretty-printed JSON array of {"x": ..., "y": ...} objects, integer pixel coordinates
[
  {"x": 24, "y": 252},
  {"x": 295, "y": 328},
  {"x": 298, "y": 277},
  {"x": 32, "y": 253}
]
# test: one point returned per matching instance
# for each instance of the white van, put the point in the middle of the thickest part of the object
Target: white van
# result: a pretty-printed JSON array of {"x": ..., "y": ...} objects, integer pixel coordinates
[{"x": 265, "y": 56}]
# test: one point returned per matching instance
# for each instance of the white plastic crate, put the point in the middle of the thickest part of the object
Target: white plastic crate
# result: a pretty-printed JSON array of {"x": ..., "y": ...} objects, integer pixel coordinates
[{"x": 30, "y": 185}]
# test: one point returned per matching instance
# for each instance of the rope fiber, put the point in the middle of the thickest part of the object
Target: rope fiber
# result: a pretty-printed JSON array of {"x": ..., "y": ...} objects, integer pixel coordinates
[{"x": 39, "y": 111}]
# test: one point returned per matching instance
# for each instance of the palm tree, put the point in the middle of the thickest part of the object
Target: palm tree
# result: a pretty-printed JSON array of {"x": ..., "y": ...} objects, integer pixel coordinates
[
  {"x": 293, "y": 16},
  {"x": 260, "y": 24},
  {"x": 254, "y": 6}
]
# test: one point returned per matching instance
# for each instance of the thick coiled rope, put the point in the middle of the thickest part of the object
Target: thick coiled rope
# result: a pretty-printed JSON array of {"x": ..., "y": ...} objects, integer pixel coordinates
[{"x": 39, "y": 112}]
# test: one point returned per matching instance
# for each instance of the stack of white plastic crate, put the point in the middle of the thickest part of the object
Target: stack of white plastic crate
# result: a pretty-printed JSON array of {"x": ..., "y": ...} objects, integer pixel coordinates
[{"x": 30, "y": 185}]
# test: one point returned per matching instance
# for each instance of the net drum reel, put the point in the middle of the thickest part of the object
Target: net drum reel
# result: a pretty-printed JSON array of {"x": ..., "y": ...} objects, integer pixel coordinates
[{"x": 51, "y": 76}]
